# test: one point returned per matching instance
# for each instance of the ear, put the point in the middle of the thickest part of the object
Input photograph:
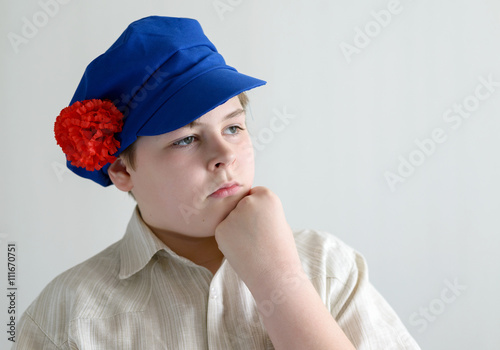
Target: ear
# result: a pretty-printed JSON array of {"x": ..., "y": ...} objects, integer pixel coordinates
[{"x": 120, "y": 176}]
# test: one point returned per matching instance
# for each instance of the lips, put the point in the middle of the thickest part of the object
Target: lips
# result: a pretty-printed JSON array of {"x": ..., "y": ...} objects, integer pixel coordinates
[{"x": 226, "y": 190}]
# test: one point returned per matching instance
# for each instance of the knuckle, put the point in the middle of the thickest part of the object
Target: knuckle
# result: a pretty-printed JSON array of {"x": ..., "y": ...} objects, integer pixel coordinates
[{"x": 264, "y": 191}]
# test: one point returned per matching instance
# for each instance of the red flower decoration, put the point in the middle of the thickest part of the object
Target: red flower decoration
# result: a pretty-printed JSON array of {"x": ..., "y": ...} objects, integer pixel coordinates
[{"x": 85, "y": 131}]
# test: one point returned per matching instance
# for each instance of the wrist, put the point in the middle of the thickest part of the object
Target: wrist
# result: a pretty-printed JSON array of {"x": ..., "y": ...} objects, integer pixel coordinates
[{"x": 277, "y": 285}]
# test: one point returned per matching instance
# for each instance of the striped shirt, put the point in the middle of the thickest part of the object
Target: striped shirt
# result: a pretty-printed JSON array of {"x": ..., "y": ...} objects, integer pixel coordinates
[{"x": 139, "y": 294}]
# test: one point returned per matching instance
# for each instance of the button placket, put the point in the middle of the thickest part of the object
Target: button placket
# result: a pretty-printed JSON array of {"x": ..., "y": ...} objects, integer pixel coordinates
[{"x": 213, "y": 294}]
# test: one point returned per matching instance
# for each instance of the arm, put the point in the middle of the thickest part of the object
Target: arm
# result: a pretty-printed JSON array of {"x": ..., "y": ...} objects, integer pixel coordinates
[
  {"x": 295, "y": 316},
  {"x": 258, "y": 243}
]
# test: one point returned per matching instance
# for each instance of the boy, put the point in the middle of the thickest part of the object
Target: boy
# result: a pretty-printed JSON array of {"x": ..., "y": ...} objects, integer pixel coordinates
[{"x": 207, "y": 260}]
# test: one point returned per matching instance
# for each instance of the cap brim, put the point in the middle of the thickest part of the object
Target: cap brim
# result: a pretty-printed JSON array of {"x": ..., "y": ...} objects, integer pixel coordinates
[{"x": 198, "y": 97}]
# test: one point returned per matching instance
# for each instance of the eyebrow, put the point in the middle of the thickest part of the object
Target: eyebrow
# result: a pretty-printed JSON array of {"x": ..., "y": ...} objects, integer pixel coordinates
[{"x": 234, "y": 114}]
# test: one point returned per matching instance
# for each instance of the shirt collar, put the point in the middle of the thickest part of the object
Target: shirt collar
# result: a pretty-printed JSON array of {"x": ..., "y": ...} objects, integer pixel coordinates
[{"x": 138, "y": 246}]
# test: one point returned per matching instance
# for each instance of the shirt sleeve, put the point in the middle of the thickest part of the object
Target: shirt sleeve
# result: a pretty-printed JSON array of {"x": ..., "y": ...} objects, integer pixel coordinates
[
  {"x": 364, "y": 315},
  {"x": 30, "y": 336}
]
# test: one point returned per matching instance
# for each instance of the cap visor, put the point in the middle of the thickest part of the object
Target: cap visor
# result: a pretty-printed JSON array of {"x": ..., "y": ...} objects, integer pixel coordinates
[{"x": 197, "y": 98}]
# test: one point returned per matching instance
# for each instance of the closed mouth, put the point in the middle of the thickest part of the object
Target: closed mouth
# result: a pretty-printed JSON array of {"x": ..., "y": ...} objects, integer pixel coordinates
[{"x": 226, "y": 190}]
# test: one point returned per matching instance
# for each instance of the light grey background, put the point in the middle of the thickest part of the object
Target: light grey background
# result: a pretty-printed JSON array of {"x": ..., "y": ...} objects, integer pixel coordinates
[{"x": 350, "y": 119}]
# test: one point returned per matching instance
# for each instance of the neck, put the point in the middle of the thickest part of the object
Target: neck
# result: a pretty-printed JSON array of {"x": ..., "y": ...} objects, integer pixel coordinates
[{"x": 203, "y": 251}]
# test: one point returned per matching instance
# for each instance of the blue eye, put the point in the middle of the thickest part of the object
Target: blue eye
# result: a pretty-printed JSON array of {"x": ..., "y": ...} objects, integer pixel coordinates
[
  {"x": 184, "y": 142},
  {"x": 234, "y": 129}
]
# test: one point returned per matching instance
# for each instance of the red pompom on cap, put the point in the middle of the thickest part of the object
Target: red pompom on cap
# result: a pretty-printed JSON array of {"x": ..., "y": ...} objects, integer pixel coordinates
[{"x": 86, "y": 133}]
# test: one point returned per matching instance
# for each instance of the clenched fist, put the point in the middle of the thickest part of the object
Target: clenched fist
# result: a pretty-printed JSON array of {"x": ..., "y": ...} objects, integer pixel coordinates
[{"x": 257, "y": 241}]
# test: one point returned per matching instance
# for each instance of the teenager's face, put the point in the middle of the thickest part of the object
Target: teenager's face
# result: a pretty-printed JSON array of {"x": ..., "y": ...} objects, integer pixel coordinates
[{"x": 180, "y": 176}]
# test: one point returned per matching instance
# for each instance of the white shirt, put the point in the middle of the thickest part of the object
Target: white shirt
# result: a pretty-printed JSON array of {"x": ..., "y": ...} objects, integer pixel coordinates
[{"x": 139, "y": 294}]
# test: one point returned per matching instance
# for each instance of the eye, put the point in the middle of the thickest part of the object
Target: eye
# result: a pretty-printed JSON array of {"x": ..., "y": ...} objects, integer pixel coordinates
[
  {"x": 184, "y": 142},
  {"x": 233, "y": 129}
]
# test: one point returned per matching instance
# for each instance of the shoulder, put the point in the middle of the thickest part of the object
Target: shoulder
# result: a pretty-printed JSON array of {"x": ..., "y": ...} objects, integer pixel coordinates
[
  {"x": 100, "y": 268},
  {"x": 325, "y": 255}
]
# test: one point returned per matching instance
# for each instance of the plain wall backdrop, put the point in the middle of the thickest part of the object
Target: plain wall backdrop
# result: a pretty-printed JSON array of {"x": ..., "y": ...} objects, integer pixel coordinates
[{"x": 379, "y": 124}]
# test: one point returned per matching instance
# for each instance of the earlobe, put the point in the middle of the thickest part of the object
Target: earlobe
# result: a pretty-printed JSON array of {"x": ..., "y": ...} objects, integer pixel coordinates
[{"x": 120, "y": 176}]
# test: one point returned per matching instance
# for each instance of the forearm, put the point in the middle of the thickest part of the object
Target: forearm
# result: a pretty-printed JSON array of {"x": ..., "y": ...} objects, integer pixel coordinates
[{"x": 294, "y": 315}]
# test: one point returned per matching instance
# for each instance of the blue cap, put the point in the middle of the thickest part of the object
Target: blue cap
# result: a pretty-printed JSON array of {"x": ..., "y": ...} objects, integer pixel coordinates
[{"x": 162, "y": 73}]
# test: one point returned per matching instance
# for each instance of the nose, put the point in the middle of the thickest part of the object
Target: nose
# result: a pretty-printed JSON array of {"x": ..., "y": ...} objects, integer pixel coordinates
[{"x": 221, "y": 154}]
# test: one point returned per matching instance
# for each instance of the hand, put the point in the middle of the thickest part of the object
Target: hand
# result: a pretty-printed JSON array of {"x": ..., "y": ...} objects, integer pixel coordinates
[{"x": 257, "y": 241}]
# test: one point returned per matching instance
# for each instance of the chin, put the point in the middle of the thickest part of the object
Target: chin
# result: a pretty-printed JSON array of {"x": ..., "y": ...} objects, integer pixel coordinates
[{"x": 210, "y": 220}]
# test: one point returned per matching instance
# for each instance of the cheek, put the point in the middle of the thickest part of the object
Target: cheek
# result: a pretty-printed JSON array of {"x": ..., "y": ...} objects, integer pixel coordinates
[
  {"x": 246, "y": 153},
  {"x": 166, "y": 191},
  {"x": 155, "y": 176},
  {"x": 180, "y": 183}
]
